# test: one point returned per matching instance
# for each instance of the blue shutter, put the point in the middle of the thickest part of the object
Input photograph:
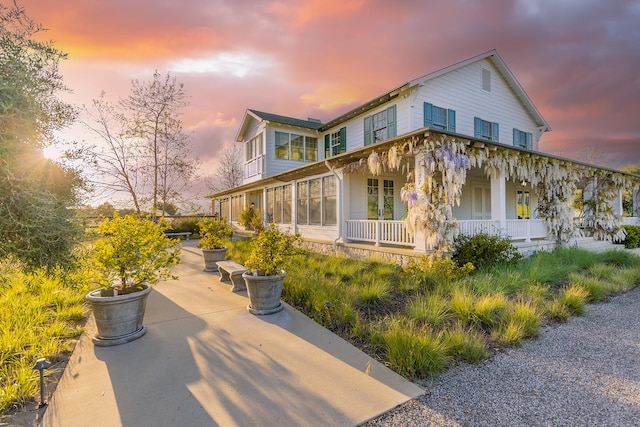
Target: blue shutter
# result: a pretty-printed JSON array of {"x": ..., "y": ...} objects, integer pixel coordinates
[
  {"x": 477, "y": 127},
  {"x": 367, "y": 130},
  {"x": 428, "y": 114},
  {"x": 495, "y": 133},
  {"x": 451, "y": 120},
  {"x": 529, "y": 141},
  {"x": 516, "y": 138},
  {"x": 343, "y": 140},
  {"x": 327, "y": 146},
  {"x": 391, "y": 121}
]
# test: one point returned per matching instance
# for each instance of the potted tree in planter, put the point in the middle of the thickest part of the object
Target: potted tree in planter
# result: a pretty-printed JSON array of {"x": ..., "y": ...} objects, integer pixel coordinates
[
  {"x": 266, "y": 276},
  {"x": 214, "y": 234},
  {"x": 251, "y": 219},
  {"x": 132, "y": 254}
]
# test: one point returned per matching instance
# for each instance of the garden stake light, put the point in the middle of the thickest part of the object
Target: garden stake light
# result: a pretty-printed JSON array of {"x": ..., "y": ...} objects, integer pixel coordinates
[{"x": 41, "y": 365}]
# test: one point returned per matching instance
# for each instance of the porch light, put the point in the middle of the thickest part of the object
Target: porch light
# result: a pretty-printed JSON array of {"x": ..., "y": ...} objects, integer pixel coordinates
[
  {"x": 523, "y": 183},
  {"x": 41, "y": 365}
]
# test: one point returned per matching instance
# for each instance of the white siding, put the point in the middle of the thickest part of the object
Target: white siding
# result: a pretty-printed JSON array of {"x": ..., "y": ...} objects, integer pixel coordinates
[
  {"x": 461, "y": 90},
  {"x": 275, "y": 166}
]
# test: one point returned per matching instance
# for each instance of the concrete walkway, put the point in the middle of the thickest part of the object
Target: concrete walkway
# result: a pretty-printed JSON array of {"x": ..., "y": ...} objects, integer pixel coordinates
[{"x": 205, "y": 361}]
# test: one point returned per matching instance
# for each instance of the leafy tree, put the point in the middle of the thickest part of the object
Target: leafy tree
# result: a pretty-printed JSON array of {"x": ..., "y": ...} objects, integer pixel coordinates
[{"x": 36, "y": 225}]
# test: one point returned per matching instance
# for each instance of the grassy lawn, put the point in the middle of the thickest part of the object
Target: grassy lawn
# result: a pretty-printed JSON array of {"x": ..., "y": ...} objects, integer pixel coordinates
[
  {"x": 40, "y": 314},
  {"x": 431, "y": 316},
  {"x": 418, "y": 321}
]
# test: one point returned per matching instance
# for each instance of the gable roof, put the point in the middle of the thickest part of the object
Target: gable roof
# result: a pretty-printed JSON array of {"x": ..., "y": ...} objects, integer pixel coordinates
[
  {"x": 274, "y": 118},
  {"x": 491, "y": 55},
  {"x": 506, "y": 74}
]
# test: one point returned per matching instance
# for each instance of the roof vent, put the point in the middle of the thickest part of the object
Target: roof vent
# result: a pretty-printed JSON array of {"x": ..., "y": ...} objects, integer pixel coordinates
[{"x": 311, "y": 119}]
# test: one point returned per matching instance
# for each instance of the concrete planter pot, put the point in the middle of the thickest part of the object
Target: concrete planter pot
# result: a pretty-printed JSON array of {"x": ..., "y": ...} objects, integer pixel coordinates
[
  {"x": 118, "y": 318},
  {"x": 264, "y": 293},
  {"x": 212, "y": 256}
]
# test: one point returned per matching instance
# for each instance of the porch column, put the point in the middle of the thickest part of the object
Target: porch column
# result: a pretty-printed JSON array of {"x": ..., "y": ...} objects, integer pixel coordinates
[
  {"x": 617, "y": 204},
  {"x": 420, "y": 243},
  {"x": 499, "y": 200},
  {"x": 230, "y": 208},
  {"x": 264, "y": 206},
  {"x": 344, "y": 203},
  {"x": 294, "y": 206}
]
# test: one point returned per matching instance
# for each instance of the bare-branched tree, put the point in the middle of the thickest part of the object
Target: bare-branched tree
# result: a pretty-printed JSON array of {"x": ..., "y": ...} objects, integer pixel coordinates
[{"x": 229, "y": 172}]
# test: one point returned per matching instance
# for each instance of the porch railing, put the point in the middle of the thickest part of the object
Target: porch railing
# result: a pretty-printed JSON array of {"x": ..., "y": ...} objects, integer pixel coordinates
[
  {"x": 379, "y": 232},
  {"x": 253, "y": 167},
  {"x": 395, "y": 232}
]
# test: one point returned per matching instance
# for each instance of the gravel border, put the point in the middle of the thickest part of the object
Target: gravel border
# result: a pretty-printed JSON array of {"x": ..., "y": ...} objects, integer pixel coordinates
[{"x": 585, "y": 372}]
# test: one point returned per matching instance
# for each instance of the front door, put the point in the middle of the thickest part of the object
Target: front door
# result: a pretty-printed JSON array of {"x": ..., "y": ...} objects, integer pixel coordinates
[{"x": 380, "y": 199}]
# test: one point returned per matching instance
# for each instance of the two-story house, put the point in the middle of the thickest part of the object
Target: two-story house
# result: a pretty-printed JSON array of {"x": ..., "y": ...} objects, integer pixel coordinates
[{"x": 387, "y": 172}]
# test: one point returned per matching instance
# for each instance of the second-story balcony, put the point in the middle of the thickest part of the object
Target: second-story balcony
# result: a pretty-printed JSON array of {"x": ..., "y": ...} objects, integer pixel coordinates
[{"x": 253, "y": 167}]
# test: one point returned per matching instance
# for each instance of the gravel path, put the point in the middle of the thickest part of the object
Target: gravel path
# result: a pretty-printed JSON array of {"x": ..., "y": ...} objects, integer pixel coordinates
[{"x": 582, "y": 373}]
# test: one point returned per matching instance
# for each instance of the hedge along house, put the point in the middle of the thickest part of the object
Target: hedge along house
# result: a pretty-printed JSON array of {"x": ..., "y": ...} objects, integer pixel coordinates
[{"x": 454, "y": 151}]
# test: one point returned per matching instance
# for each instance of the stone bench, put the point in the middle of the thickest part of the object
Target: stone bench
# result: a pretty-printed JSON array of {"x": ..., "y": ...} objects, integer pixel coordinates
[
  {"x": 186, "y": 234},
  {"x": 231, "y": 270}
]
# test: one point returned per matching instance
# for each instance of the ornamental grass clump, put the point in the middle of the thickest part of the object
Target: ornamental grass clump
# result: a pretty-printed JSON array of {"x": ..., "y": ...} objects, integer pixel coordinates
[{"x": 133, "y": 252}]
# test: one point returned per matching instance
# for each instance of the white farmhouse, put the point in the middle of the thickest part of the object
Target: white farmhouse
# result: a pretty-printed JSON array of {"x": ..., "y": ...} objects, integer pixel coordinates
[{"x": 454, "y": 151}]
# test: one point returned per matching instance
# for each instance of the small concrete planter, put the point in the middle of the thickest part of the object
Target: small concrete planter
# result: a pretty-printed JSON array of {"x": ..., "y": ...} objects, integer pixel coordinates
[
  {"x": 118, "y": 318},
  {"x": 264, "y": 293},
  {"x": 212, "y": 256}
]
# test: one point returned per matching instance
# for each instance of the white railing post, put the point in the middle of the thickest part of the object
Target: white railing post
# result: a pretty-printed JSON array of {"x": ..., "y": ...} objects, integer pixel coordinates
[{"x": 528, "y": 238}]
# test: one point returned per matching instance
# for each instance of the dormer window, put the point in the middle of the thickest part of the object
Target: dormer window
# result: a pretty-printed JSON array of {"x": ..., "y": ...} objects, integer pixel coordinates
[{"x": 296, "y": 147}]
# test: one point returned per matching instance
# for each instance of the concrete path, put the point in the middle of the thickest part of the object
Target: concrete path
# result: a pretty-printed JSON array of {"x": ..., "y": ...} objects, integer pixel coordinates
[{"x": 205, "y": 361}]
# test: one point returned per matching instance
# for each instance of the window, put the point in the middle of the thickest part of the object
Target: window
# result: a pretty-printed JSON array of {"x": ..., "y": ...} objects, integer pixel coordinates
[
  {"x": 296, "y": 147},
  {"x": 303, "y": 202},
  {"x": 311, "y": 149},
  {"x": 317, "y": 201},
  {"x": 439, "y": 118},
  {"x": 329, "y": 202},
  {"x": 522, "y": 139},
  {"x": 486, "y": 80},
  {"x": 380, "y": 126},
  {"x": 254, "y": 147},
  {"x": 282, "y": 145},
  {"x": 485, "y": 130},
  {"x": 335, "y": 143},
  {"x": 279, "y": 204}
]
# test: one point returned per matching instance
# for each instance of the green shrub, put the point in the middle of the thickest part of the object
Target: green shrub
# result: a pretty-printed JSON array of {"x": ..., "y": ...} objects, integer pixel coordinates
[
  {"x": 183, "y": 225},
  {"x": 483, "y": 250},
  {"x": 632, "y": 240}
]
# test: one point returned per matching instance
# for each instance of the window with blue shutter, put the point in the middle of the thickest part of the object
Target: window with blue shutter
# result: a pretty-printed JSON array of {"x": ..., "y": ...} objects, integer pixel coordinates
[
  {"x": 439, "y": 118},
  {"x": 327, "y": 146},
  {"x": 343, "y": 140},
  {"x": 522, "y": 139},
  {"x": 380, "y": 126},
  {"x": 391, "y": 121},
  {"x": 485, "y": 130},
  {"x": 367, "y": 131}
]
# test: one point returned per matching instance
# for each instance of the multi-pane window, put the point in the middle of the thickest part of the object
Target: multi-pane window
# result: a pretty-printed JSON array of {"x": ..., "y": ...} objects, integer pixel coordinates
[
  {"x": 485, "y": 129},
  {"x": 380, "y": 126},
  {"x": 524, "y": 204},
  {"x": 296, "y": 147},
  {"x": 282, "y": 145},
  {"x": 303, "y": 202},
  {"x": 522, "y": 139},
  {"x": 329, "y": 202},
  {"x": 254, "y": 147},
  {"x": 335, "y": 143},
  {"x": 439, "y": 118},
  {"x": 279, "y": 204},
  {"x": 317, "y": 201}
]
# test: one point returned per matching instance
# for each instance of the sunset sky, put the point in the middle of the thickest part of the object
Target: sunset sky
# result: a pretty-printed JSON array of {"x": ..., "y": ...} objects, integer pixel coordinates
[{"x": 579, "y": 60}]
